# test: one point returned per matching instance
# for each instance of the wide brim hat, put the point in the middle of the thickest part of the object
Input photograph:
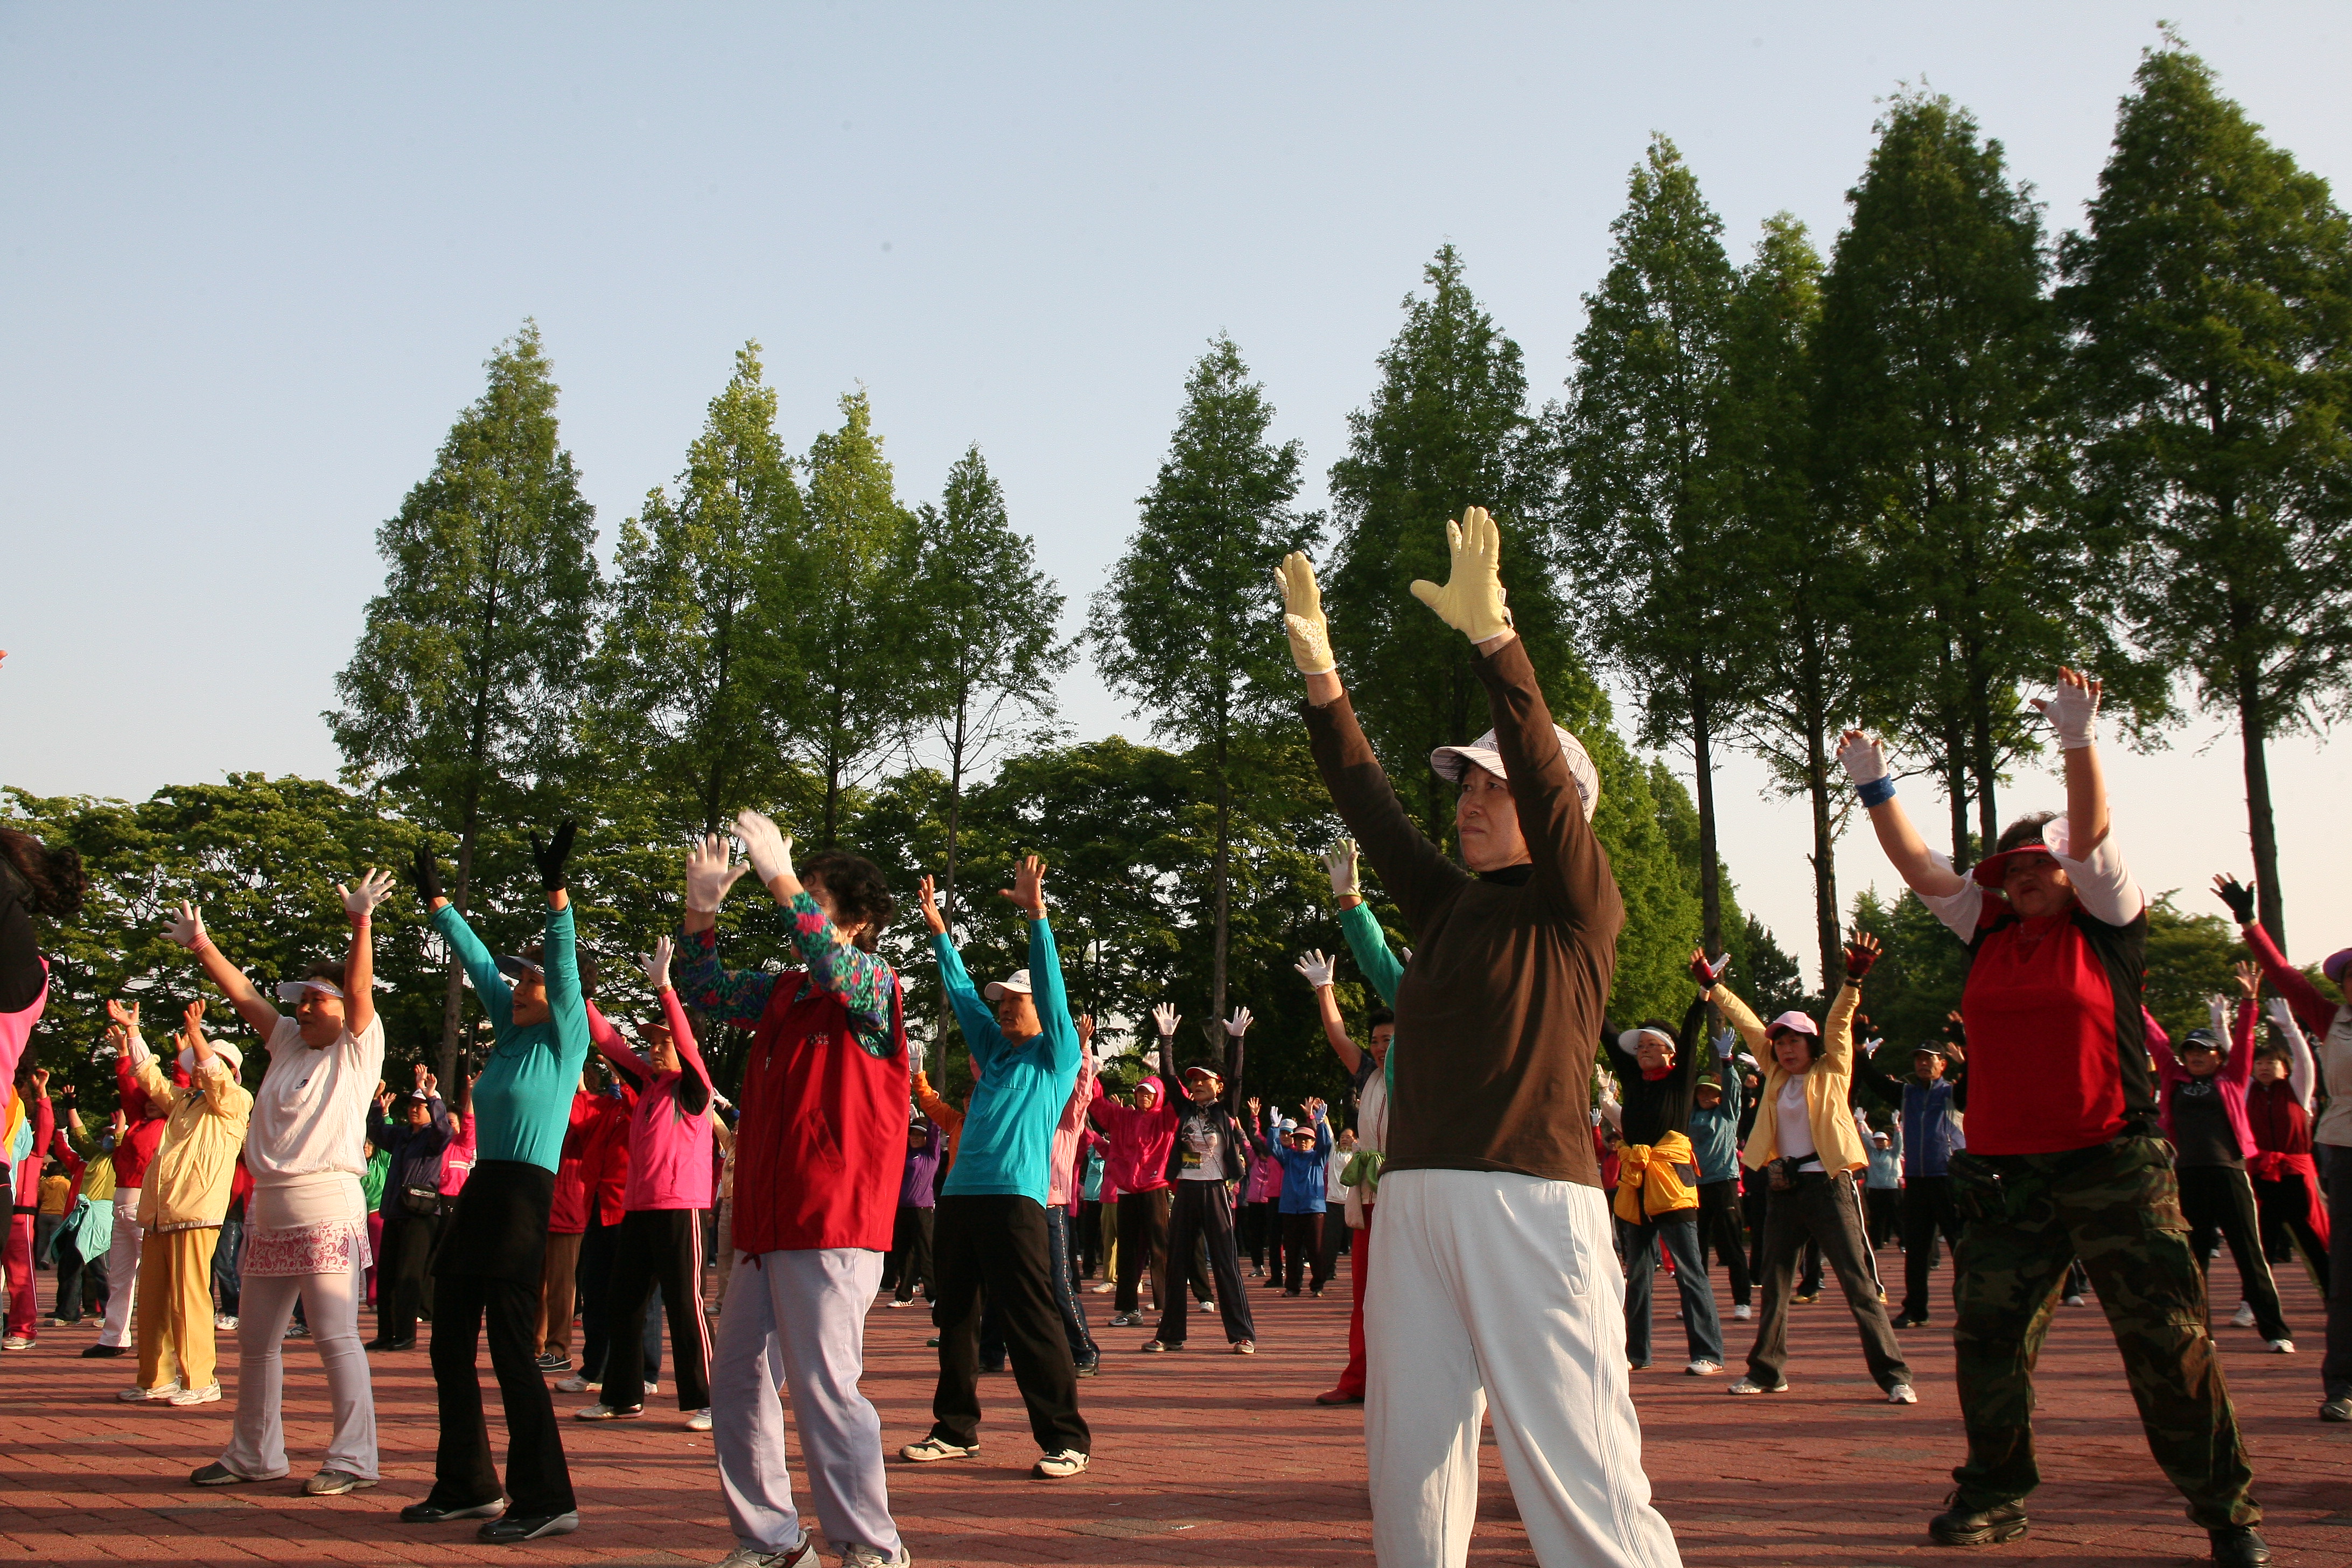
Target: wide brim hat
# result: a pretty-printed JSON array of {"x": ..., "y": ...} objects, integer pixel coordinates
[
  {"x": 1212, "y": 1073},
  {"x": 1630, "y": 1040},
  {"x": 1450, "y": 762},
  {"x": 1991, "y": 871}
]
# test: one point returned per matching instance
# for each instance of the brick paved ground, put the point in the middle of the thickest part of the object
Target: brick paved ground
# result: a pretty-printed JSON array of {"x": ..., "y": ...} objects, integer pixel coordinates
[{"x": 1203, "y": 1458}]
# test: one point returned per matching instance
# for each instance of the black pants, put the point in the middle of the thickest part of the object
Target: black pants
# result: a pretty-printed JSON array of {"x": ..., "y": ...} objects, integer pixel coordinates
[
  {"x": 599, "y": 1248},
  {"x": 1201, "y": 1213},
  {"x": 1886, "y": 1209},
  {"x": 909, "y": 1262},
  {"x": 1083, "y": 1351},
  {"x": 400, "y": 1275},
  {"x": 1820, "y": 1208},
  {"x": 999, "y": 1244},
  {"x": 1335, "y": 1238},
  {"x": 2219, "y": 1199},
  {"x": 67, "y": 1303},
  {"x": 1927, "y": 1213},
  {"x": 2286, "y": 1210},
  {"x": 1258, "y": 1228},
  {"x": 1302, "y": 1244},
  {"x": 1756, "y": 1202},
  {"x": 1719, "y": 1226},
  {"x": 660, "y": 1250},
  {"x": 1143, "y": 1236},
  {"x": 2335, "y": 1179},
  {"x": 1085, "y": 1238}
]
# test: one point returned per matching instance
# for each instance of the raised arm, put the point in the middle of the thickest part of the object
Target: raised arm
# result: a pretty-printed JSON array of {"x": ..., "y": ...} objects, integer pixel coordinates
[
  {"x": 694, "y": 1084},
  {"x": 2238, "y": 1067},
  {"x": 1837, "y": 1036},
  {"x": 1927, "y": 873},
  {"x": 567, "y": 1006},
  {"x": 1316, "y": 968},
  {"x": 862, "y": 981},
  {"x": 2316, "y": 1012},
  {"x": 724, "y": 996},
  {"x": 2302, "y": 1072},
  {"x": 626, "y": 1057},
  {"x": 1739, "y": 1017},
  {"x": 187, "y": 929},
  {"x": 1053, "y": 1003},
  {"x": 358, "y": 963},
  {"x": 1368, "y": 944},
  {"x": 481, "y": 968}
]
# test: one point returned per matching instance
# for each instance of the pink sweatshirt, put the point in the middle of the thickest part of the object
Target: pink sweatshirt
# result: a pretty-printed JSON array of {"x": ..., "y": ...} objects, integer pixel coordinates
[
  {"x": 1063, "y": 1159},
  {"x": 669, "y": 1147},
  {"x": 1137, "y": 1158}
]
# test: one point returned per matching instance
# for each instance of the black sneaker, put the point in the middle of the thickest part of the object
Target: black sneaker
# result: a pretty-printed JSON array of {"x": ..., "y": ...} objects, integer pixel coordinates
[
  {"x": 2238, "y": 1546},
  {"x": 553, "y": 1363},
  {"x": 512, "y": 1529},
  {"x": 100, "y": 1352},
  {"x": 1959, "y": 1525},
  {"x": 431, "y": 1513}
]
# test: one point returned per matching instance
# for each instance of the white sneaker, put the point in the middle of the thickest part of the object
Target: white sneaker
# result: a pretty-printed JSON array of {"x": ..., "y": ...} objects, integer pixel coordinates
[
  {"x": 752, "y": 1557},
  {"x": 136, "y": 1395},
  {"x": 1059, "y": 1466},
  {"x": 209, "y": 1395},
  {"x": 576, "y": 1383},
  {"x": 607, "y": 1413},
  {"x": 2245, "y": 1316},
  {"x": 1703, "y": 1367},
  {"x": 16, "y": 1342},
  {"x": 699, "y": 1421},
  {"x": 932, "y": 1449},
  {"x": 2282, "y": 1347},
  {"x": 1743, "y": 1312},
  {"x": 224, "y": 1323},
  {"x": 863, "y": 1556},
  {"x": 1901, "y": 1393},
  {"x": 896, "y": 1302},
  {"x": 2076, "y": 1300},
  {"x": 1105, "y": 1288},
  {"x": 652, "y": 1388}
]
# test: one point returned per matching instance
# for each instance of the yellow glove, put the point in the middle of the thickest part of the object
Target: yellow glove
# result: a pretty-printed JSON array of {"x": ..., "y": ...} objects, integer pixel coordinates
[
  {"x": 1471, "y": 600},
  {"x": 1302, "y": 614}
]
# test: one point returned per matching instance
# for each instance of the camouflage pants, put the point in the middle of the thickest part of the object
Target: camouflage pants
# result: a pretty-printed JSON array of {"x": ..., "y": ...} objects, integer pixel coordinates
[{"x": 2117, "y": 1207}]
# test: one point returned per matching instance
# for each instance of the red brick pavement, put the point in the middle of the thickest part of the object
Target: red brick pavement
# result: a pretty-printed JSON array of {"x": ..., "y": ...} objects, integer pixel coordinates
[{"x": 1202, "y": 1459}]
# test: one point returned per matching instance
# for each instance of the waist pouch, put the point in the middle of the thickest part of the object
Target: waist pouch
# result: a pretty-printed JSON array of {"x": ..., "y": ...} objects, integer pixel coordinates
[{"x": 420, "y": 1203}]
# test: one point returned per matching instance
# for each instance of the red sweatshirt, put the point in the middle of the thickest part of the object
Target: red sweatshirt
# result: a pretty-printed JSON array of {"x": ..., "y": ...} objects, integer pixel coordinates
[{"x": 1135, "y": 1157}]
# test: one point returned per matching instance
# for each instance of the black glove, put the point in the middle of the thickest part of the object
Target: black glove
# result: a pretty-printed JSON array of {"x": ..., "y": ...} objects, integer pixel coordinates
[
  {"x": 427, "y": 875},
  {"x": 552, "y": 855},
  {"x": 2239, "y": 896}
]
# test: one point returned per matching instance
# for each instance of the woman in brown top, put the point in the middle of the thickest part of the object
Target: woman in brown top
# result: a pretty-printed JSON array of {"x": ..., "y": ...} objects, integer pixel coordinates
[{"x": 1498, "y": 1290}]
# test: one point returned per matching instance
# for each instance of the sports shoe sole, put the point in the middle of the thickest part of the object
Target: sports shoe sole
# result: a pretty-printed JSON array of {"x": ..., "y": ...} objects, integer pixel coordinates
[{"x": 1992, "y": 1535}]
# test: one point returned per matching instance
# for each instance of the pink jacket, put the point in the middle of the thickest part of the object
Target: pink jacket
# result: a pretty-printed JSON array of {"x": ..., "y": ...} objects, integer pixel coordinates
[
  {"x": 1137, "y": 1158},
  {"x": 669, "y": 1146},
  {"x": 1063, "y": 1159}
]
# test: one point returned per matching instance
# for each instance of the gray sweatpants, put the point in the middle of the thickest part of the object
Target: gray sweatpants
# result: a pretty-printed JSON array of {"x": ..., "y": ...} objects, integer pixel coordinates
[
  {"x": 331, "y": 1303},
  {"x": 798, "y": 1320}
]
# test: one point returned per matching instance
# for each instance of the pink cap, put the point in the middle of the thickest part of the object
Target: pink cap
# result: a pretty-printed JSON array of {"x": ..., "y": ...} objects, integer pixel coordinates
[
  {"x": 1795, "y": 1023},
  {"x": 2336, "y": 963}
]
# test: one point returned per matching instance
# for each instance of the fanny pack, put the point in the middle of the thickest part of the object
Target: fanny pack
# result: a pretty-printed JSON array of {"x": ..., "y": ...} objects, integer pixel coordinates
[{"x": 421, "y": 1202}]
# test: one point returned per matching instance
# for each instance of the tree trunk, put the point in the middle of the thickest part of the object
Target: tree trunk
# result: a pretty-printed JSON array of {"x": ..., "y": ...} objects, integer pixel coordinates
[
  {"x": 1710, "y": 869},
  {"x": 2260, "y": 826},
  {"x": 1827, "y": 921},
  {"x": 955, "y": 822},
  {"x": 1225, "y": 827},
  {"x": 453, "y": 999},
  {"x": 1956, "y": 794},
  {"x": 1987, "y": 766}
]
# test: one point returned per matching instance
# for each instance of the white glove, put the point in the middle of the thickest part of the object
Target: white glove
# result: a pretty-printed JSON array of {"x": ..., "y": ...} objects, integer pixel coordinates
[
  {"x": 2072, "y": 711},
  {"x": 1166, "y": 1017},
  {"x": 1317, "y": 967},
  {"x": 710, "y": 872},
  {"x": 1238, "y": 1025},
  {"x": 1471, "y": 600},
  {"x": 1302, "y": 615},
  {"x": 656, "y": 965},
  {"x": 1341, "y": 861},
  {"x": 1863, "y": 757},
  {"x": 374, "y": 887},
  {"x": 188, "y": 928},
  {"x": 771, "y": 852},
  {"x": 916, "y": 1055}
]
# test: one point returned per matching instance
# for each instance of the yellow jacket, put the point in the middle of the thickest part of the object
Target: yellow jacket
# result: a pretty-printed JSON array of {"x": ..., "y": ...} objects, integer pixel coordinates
[
  {"x": 204, "y": 1129},
  {"x": 1836, "y": 1142},
  {"x": 1655, "y": 1181}
]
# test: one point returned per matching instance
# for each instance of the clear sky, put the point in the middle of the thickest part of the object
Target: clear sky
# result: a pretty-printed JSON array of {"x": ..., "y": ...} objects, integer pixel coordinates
[{"x": 254, "y": 257}]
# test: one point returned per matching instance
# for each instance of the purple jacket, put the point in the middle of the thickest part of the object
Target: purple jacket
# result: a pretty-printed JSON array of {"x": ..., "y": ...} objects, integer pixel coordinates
[
  {"x": 919, "y": 1186},
  {"x": 2229, "y": 1082}
]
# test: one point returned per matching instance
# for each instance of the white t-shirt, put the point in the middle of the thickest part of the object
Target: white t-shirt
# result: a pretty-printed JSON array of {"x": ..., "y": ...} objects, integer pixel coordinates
[
  {"x": 309, "y": 1115},
  {"x": 1794, "y": 1122}
]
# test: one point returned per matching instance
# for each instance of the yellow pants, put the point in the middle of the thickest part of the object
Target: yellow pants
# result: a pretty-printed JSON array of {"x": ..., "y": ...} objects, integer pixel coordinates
[{"x": 175, "y": 1308}]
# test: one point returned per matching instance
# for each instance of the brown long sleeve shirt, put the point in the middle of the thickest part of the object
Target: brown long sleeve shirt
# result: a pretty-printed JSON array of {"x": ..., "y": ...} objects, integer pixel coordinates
[{"x": 1499, "y": 1010}]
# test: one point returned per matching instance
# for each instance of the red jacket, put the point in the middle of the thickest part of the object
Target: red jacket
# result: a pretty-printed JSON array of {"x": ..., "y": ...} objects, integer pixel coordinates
[
  {"x": 43, "y": 1116},
  {"x": 823, "y": 1128},
  {"x": 144, "y": 1131},
  {"x": 604, "y": 1155},
  {"x": 570, "y": 1215},
  {"x": 73, "y": 1164},
  {"x": 1135, "y": 1158}
]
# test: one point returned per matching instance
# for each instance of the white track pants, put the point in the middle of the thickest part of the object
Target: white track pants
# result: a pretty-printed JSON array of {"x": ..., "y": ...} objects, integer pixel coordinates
[
  {"x": 121, "y": 1268},
  {"x": 331, "y": 1303},
  {"x": 1502, "y": 1291},
  {"x": 798, "y": 1320}
]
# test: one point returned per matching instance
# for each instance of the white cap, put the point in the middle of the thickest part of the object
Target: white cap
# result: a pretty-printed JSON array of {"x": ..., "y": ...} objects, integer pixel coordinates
[
  {"x": 1449, "y": 762},
  {"x": 222, "y": 1050},
  {"x": 997, "y": 988}
]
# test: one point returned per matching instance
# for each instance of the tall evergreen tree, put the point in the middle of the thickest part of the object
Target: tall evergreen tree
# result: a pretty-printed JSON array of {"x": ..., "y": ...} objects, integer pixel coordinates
[
  {"x": 2211, "y": 297},
  {"x": 697, "y": 678},
  {"x": 987, "y": 654},
  {"x": 1646, "y": 526},
  {"x": 1186, "y": 629},
  {"x": 1802, "y": 561},
  {"x": 1448, "y": 427},
  {"x": 855, "y": 647},
  {"x": 1936, "y": 360},
  {"x": 463, "y": 695}
]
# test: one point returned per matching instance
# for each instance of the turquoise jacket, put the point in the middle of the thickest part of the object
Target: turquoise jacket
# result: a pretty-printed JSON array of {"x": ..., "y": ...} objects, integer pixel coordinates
[
  {"x": 1007, "y": 1141},
  {"x": 522, "y": 1102},
  {"x": 1380, "y": 965}
]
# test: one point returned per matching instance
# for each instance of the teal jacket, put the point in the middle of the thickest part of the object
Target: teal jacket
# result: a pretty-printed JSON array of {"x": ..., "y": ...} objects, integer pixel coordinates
[
  {"x": 1007, "y": 1141},
  {"x": 522, "y": 1102},
  {"x": 1380, "y": 965}
]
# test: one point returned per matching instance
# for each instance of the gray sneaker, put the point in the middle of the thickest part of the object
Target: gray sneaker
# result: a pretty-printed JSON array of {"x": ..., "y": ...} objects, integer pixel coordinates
[
  {"x": 335, "y": 1483},
  {"x": 934, "y": 1448},
  {"x": 1749, "y": 1385},
  {"x": 862, "y": 1556}
]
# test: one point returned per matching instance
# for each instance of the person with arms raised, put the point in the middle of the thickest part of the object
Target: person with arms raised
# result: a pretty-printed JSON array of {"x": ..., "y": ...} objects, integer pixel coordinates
[
  {"x": 1497, "y": 1291},
  {"x": 2065, "y": 1156}
]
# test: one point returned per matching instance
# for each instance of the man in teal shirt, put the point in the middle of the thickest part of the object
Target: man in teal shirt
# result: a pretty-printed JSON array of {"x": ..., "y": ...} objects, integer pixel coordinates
[
  {"x": 992, "y": 1212},
  {"x": 487, "y": 1274}
]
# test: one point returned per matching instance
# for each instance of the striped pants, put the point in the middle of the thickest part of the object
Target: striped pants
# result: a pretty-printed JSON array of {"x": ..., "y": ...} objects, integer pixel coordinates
[{"x": 658, "y": 1247}]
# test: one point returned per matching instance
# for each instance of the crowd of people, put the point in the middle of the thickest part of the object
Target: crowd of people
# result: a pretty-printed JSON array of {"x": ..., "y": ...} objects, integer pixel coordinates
[{"x": 1526, "y": 1166}]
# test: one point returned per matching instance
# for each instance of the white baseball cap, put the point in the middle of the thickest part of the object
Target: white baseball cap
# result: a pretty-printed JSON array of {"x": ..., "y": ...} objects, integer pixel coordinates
[
  {"x": 1449, "y": 762},
  {"x": 1018, "y": 982}
]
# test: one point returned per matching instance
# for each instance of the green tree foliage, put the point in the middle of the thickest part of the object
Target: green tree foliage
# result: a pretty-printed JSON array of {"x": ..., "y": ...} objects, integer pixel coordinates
[
  {"x": 2212, "y": 300},
  {"x": 1645, "y": 517},
  {"x": 1917, "y": 981},
  {"x": 1188, "y": 627},
  {"x": 697, "y": 678},
  {"x": 1937, "y": 358},
  {"x": 856, "y": 642},
  {"x": 1447, "y": 427},
  {"x": 2190, "y": 958},
  {"x": 463, "y": 697}
]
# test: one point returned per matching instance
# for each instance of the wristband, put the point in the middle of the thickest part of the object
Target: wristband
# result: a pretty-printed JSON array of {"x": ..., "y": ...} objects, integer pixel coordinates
[{"x": 1877, "y": 792}]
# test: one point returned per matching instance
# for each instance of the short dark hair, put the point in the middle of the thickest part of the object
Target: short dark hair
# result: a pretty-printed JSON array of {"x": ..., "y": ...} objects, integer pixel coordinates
[
  {"x": 53, "y": 877},
  {"x": 2025, "y": 830},
  {"x": 585, "y": 963},
  {"x": 1659, "y": 1026},
  {"x": 328, "y": 969},
  {"x": 1377, "y": 1016},
  {"x": 858, "y": 889}
]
